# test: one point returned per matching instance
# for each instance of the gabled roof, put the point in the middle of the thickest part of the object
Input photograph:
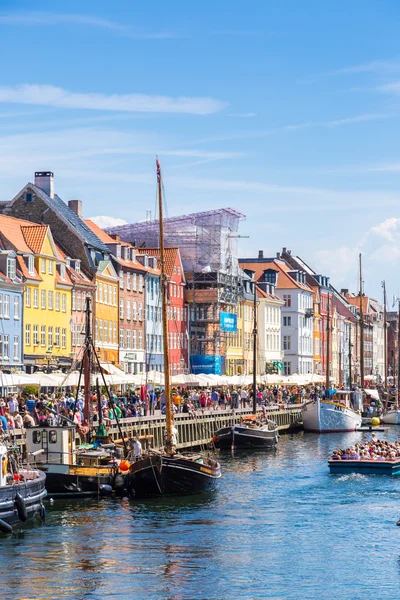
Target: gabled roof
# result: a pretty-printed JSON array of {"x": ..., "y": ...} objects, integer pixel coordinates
[
  {"x": 75, "y": 276},
  {"x": 34, "y": 236},
  {"x": 263, "y": 294},
  {"x": 11, "y": 230},
  {"x": 172, "y": 257},
  {"x": 100, "y": 233},
  {"x": 285, "y": 281},
  {"x": 67, "y": 215}
]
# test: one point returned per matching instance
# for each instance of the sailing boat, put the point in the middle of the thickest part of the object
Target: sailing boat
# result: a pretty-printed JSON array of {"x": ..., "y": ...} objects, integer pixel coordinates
[
  {"x": 392, "y": 416},
  {"x": 251, "y": 432},
  {"x": 169, "y": 471},
  {"x": 338, "y": 411},
  {"x": 72, "y": 471}
]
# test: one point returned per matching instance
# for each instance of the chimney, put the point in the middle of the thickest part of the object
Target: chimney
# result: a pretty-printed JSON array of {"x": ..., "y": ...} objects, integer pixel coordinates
[
  {"x": 76, "y": 206},
  {"x": 284, "y": 250},
  {"x": 261, "y": 254},
  {"x": 344, "y": 291},
  {"x": 278, "y": 255},
  {"x": 44, "y": 180},
  {"x": 114, "y": 236}
]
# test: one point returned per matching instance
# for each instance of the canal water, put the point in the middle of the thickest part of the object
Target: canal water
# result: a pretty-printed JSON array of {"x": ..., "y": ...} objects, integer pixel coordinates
[{"x": 279, "y": 527}]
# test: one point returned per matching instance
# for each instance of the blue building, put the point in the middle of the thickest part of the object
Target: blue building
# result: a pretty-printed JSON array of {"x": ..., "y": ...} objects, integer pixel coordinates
[
  {"x": 11, "y": 315},
  {"x": 153, "y": 317}
]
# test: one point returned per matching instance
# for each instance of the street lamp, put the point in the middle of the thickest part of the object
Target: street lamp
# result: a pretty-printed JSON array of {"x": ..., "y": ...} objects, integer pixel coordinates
[{"x": 49, "y": 353}]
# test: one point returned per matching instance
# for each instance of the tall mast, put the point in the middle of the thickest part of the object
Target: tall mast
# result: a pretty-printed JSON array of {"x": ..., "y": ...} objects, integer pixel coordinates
[
  {"x": 255, "y": 349},
  {"x": 164, "y": 285},
  {"x": 350, "y": 373},
  {"x": 328, "y": 342},
  {"x": 398, "y": 356},
  {"x": 361, "y": 330},
  {"x": 87, "y": 362},
  {"x": 385, "y": 367}
]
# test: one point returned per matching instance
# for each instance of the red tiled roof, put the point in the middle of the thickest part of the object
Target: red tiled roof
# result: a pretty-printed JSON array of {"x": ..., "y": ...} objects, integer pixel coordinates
[
  {"x": 11, "y": 230},
  {"x": 101, "y": 234},
  {"x": 171, "y": 255},
  {"x": 34, "y": 236},
  {"x": 285, "y": 281}
]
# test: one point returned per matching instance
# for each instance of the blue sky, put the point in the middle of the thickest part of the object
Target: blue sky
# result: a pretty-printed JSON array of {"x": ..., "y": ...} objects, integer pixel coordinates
[{"x": 288, "y": 112}]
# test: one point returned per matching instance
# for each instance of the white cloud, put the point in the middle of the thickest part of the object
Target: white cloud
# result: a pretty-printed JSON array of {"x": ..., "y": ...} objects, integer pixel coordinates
[
  {"x": 374, "y": 66},
  {"x": 388, "y": 229},
  {"x": 49, "y": 95},
  {"x": 247, "y": 115},
  {"x": 104, "y": 221},
  {"x": 37, "y": 19}
]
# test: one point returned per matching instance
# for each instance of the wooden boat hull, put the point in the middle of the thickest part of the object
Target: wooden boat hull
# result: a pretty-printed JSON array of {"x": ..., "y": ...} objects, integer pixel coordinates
[
  {"x": 364, "y": 467},
  {"x": 324, "y": 416},
  {"x": 241, "y": 436},
  {"x": 157, "y": 475},
  {"x": 66, "y": 485},
  {"x": 33, "y": 491}
]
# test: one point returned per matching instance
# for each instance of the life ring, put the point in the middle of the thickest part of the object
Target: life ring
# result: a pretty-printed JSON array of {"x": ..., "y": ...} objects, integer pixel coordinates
[
  {"x": 21, "y": 507},
  {"x": 4, "y": 465}
]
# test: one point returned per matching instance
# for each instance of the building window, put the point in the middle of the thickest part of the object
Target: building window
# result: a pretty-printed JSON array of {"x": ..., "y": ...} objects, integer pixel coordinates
[
  {"x": 62, "y": 271},
  {"x": 6, "y": 346},
  {"x": 121, "y": 280},
  {"x": 43, "y": 299},
  {"x": 133, "y": 346},
  {"x": 115, "y": 334},
  {"x": 97, "y": 330},
  {"x": 121, "y": 338},
  {"x": 50, "y": 336},
  {"x": 27, "y": 335},
  {"x": 64, "y": 338},
  {"x": 16, "y": 307},
  {"x": 121, "y": 309},
  {"x": 57, "y": 300},
  {"x": 78, "y": 301},
  {"x": 11, "y": 269},
  {"x": 50, "y": 267},
  {"x": 128, "y": 281},
  {"x": 64, "y": 303},
  {"x": 31, "y": 265},
  {"x": 287, "y": 342},
  {"x": 27, "y": 297},
  {"x": 287, "y": 321},
  {"x": 140, "y": 312},
  {"x": 101, "y": 330},
  {"x": 73, "y": 300},
  {"x": 105, "y": 294},
  {"x": 101, "y": 292},
  {"x": 57, "y": 338},
  {"x": 287, "y": 368},
  {"x": 43, "y": 265},
  {"x": 110, "y": 332},
  {"x": 134, "y": 311},
  {"x": 128, "y": 310},
  {"x": 115, "y": 295},
  {"x": 50, "y": 300},
  {"x": 35, "y": 298},
  {"x": 6, "y": 306},
  {"x": 43, "y": 335},
  {"x": 36, "y": 335},
  {"x": 140, "y": 283},
  {"x": 287, "y": 298}
]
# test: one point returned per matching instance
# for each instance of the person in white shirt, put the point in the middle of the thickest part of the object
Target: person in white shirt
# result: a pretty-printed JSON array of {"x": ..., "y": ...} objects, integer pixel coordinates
[
  {"x": 137, "y": 449},
  {"x": 243, "y": 398},
  {"x": 12, "y": 405}
]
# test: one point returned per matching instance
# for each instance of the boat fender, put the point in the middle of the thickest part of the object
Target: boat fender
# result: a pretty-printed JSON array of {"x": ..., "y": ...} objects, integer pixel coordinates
[
  {"x": 105, "y": 490},
  {"x": 42, "y": 512},
  {"x": 21, "y": 507},
  {"x": 4, "y": 463},
  {"x": 5, "y": 527}
]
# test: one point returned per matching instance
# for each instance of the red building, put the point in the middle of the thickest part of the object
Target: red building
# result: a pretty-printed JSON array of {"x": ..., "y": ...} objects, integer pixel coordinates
[{"x": 177, "y": 308}]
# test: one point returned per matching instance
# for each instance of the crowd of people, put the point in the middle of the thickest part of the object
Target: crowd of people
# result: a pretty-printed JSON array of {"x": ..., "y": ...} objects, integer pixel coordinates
[{"x": 371, "y": 450}]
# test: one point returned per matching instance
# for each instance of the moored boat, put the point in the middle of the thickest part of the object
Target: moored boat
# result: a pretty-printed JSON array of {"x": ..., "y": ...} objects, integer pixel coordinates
[
  {"x": 22, "y": 491},
  {"x": 333, "y": 415},
  {"x": 250, "y": 433},
  {"x": 391, "y": 416},
  {"x": 364, "y": 467}
]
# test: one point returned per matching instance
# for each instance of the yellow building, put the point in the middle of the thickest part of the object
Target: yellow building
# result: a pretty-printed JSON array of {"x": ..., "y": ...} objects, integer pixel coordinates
[
  {"x": 47, "y": 293},
  {"x": 317, "y": 332},
  {"x": 106, "y": 312},
  {"x": 234, "y": 347}
]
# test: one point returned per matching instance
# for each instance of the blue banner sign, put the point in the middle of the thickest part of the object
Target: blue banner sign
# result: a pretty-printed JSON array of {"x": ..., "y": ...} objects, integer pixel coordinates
[
  {"x": 208, "y": 364},
  {"x": 227, "y": 322}
]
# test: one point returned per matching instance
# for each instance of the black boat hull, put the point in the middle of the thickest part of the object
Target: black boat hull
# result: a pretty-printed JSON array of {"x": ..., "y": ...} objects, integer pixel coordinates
[
  {"x": 245, "y": 437},
  {"x": 32, "y": 491},
  {"x": 63, "y": 485},
  {"x": 157, "y": 475}
]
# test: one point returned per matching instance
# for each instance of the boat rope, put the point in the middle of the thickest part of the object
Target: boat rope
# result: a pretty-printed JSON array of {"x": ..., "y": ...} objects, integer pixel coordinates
[{"x": 155, "y": 476}]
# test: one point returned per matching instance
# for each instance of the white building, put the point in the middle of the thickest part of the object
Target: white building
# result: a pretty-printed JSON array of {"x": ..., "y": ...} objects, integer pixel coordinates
[
  {"x": 269, "y": 327},
  {"x": 296, "y": 311}
]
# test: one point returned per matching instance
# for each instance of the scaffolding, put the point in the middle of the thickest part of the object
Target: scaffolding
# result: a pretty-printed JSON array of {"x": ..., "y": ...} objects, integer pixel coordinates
[{"x": 208, "y": 245}]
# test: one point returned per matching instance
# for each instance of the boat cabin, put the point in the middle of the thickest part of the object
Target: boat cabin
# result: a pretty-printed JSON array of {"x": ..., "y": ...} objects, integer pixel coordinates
[
  {"x": 49, "y": 444},
  {"x": 350, "y": 399}
]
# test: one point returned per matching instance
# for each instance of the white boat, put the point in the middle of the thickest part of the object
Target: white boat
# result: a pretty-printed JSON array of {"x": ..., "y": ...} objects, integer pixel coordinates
[
  {"x": 391, "y": 416},
  {"x": 334, "y": 415}
]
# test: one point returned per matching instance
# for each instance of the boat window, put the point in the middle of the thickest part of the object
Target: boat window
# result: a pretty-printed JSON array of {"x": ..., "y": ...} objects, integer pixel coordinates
[
  {"x": 53, "y": 436},
  {"x": 37, "y": 437}
]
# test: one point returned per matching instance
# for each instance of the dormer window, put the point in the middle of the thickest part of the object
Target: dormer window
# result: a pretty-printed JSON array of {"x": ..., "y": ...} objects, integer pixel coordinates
[
  {"x": 62, "y": 271},
  {"x": 126, "y": 253},
  {"x": 31, "y": 265},
  {"x": 78, "y": 266},
  {"x": 118, "y": 251},
  {"x": 11, "y": 268},
  {"x": 133, "y": 255},
  {"x": 68, "y": 260}
]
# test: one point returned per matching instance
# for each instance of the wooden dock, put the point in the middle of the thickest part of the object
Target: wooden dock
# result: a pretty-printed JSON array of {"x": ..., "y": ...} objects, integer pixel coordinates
[{"x": 193, "y": 431}]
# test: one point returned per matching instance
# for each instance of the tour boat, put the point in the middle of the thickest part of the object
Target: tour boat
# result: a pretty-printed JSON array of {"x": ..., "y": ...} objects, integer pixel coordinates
[
  {"x": 22, "y": 491},
  {"x": 364, "y": 467},
  {"x": 333, "y": 415},
  {"x": 169, "y": 471},
  {"x": 250, "y": 433}
]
